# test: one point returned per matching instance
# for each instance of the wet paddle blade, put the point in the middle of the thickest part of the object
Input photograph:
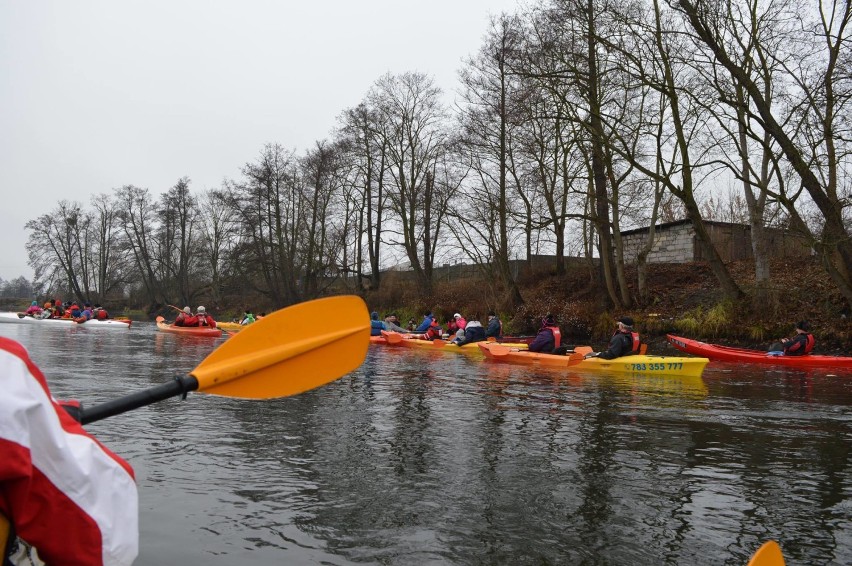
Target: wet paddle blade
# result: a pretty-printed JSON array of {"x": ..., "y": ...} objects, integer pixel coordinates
[
  {"x": 495, "y": 350},
  {"x": 767, "y": 555},
  {"x": 289, "y": 351},
  {"x": 392, "y": 337},
  {"x": 583, "y": 350}
]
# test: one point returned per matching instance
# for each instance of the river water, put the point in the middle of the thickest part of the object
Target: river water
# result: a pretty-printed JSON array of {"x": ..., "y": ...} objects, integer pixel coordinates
[{"x": 430, "y": 458}]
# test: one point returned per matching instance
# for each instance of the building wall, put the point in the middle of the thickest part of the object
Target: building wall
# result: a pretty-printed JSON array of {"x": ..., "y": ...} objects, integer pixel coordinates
[
  {"x": 672, "y": 244},
  {"x": 676, "y": 243}
]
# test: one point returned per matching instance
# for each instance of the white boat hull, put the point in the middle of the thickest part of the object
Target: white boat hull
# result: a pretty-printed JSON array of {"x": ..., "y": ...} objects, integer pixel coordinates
[{"x": 109, "y": 324}]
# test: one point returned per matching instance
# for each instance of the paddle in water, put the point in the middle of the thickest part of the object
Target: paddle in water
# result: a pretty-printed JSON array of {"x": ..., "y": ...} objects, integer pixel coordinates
[{"x": 277, "y": 356}]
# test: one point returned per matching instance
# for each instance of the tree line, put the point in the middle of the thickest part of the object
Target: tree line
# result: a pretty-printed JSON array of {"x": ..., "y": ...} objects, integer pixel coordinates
[{"x": 575, "y": 120}]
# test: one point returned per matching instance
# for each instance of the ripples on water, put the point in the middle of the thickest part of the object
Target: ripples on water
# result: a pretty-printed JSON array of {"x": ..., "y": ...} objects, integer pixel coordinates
[{"x": 428, "y": 458}]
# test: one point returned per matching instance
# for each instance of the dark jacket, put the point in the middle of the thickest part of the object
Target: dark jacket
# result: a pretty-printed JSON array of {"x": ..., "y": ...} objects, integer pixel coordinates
[
  {"x": 544, "y": 342},
  {"x": 799, "y": 345},
  {"x": 621, "y": 344},
  {"x": 473, "y": 332},
  {"x": 494, "y": 329}
]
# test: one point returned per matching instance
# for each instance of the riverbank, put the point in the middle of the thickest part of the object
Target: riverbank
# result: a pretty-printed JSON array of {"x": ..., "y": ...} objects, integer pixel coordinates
[{"x": 683, "y": 299}]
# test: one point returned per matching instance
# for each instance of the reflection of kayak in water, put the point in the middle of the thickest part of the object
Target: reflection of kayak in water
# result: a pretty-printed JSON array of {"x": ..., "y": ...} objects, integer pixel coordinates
[
  {"x": 187, "y": 330},
  {"x": 108, "y": 324},
  {"x": 660, "y": 384}
]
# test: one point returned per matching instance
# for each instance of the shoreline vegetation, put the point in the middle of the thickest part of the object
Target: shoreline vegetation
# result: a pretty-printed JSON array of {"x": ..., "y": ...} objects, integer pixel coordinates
[{"x": 684, "y": 299}]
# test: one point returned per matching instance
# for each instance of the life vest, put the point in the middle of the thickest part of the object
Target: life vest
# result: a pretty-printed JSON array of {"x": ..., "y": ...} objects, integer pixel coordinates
[
  {"x": 635, "y": 342},
  {"x": 102, "y": 314},
  {"x": 557, "y": 336},
  {"x": 809, "y": 345},
  {"x": 434, "y": 330},
  {"x": 202, "y": 320}
]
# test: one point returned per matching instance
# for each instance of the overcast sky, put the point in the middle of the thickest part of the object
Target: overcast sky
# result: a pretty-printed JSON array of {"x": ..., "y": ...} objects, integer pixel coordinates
[{"x": 96, "y": 95}]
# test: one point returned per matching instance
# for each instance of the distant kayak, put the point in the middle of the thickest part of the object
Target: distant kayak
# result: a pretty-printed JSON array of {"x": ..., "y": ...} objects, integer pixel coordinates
[
  {"x": 742, "y": 355},
  {"x": 187, "y": 330},
  {"x": 20, "y": 318},
  {"x": 230, "y": 326},
  {"x": 396, "y": 339},
  {"x": 643, "y": 364}
]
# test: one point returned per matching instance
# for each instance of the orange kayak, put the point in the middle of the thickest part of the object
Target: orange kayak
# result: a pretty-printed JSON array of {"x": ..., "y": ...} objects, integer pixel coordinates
[{"x": 187, "y": 330}]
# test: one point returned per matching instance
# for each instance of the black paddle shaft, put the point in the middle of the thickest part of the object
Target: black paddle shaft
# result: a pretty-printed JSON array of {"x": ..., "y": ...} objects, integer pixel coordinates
[{"x": 179, "y": 386}]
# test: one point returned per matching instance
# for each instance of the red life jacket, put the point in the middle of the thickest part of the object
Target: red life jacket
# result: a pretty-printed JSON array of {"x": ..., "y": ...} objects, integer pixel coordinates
[
  {"x": 434, "y": 330},
  {"x": 102, "y": 314},
  {"x": 809, "y": 345},
  {"x": 634, "y": 338},
  {"x": 557, "y": 336}
]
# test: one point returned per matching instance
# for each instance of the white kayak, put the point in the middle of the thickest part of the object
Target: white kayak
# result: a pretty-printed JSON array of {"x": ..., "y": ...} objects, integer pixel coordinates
[{"x": 108, "y": 324}]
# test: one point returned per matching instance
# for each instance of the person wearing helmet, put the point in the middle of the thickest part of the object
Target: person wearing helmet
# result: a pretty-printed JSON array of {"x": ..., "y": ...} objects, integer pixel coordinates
[
  {"x": 204, "y": 319},
  {"x": 624, "y": 341}
]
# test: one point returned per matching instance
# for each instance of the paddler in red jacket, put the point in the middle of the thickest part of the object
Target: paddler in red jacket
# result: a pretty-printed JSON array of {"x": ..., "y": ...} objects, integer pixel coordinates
[
  {"x": 185, "y": 318},
  {"x": 65, "y": 494},
  {"x": 204, "y": 319}
]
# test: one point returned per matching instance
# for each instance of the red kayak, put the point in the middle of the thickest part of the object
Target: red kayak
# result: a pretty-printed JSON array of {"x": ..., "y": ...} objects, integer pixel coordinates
[{"x": 741, "y": 355}]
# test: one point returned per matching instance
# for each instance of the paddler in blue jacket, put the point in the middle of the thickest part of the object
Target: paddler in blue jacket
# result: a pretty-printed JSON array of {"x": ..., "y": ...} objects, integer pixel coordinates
[
  {"x": 427, "y": 322},
  {"x": 376, "y": 325}
]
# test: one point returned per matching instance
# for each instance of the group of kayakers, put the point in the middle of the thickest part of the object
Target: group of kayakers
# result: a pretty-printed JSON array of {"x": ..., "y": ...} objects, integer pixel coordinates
[
  {"x": 624, "y": 341},
  {"x": 54, "y": 308}
]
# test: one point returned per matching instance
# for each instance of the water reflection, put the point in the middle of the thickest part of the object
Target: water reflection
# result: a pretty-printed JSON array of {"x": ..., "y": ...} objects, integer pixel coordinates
[{"x": 419, "y": 458}]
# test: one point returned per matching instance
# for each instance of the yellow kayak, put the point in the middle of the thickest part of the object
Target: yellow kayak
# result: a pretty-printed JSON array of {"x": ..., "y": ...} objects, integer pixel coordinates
[
  {"x": 396, "y": 339},
  {"x": 636, "y": 364}
]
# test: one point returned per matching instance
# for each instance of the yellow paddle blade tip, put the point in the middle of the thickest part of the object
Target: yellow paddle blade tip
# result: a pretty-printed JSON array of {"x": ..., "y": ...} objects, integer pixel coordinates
[{"x": 769, "y": 554}]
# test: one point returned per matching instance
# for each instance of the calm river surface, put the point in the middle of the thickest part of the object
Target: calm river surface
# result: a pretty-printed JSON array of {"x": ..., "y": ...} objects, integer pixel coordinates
[{"x": 429, "y": 458}]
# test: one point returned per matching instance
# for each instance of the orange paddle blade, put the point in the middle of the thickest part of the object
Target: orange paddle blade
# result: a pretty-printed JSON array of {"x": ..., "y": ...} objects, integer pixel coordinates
[
  {"x": 767, "y": 555},
  {"x": 392, "y": 337},
  {"x": 289, "y": 351}
]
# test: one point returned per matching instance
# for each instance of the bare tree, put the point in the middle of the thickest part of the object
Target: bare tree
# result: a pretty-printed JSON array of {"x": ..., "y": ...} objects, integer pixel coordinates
[
  {"x": 368, "y": 148},
  {"x": 812, "y": 130},
  {"x": 488, "y": 136},
  {"x": 413, "y": 125}
]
